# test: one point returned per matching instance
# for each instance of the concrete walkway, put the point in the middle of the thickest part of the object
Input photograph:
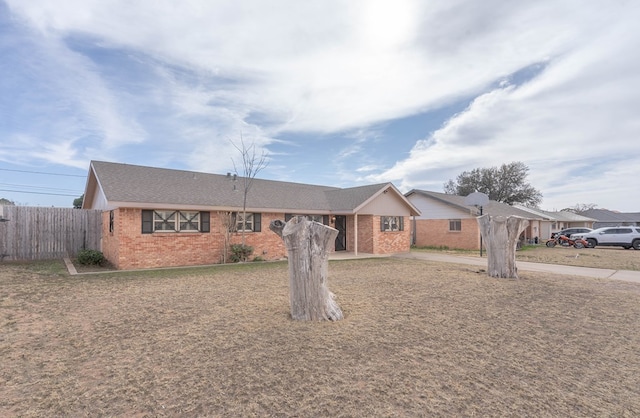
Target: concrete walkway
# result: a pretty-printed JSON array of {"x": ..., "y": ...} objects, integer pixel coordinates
[{"x": 624, "y": 275}]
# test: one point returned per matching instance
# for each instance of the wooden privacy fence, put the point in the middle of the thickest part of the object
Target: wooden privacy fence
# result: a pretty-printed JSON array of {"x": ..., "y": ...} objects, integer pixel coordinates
[{"x": 41, "y": 233}]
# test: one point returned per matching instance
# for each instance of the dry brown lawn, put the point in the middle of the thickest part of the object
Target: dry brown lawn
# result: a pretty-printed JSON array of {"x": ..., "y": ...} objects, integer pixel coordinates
[
  {"x": 615, "y": 258},
  {"x": 418, "y": 339}
]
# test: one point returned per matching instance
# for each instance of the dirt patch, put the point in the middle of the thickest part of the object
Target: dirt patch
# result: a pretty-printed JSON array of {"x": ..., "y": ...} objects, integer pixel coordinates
[{"x": 418, "y": 338}]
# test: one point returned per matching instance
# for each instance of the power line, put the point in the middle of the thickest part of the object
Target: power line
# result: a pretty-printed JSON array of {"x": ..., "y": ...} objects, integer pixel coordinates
[
  {"x": 53, "y": 189},
  {"x": 51, "y": 194},
  {"x": 41, "y": 172}
]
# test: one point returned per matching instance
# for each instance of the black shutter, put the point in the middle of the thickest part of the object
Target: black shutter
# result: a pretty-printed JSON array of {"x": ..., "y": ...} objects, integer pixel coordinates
[
  {"x": 147, "y": 221},
  {"x": 287, "y": 217},
  {"x": 257, "y": 222},
  {"x": 401, "y": 220},
  {"x": 205, "y": 222},
  {"x": 382, "y": 223},
  {"x": 325, "y": 219}
]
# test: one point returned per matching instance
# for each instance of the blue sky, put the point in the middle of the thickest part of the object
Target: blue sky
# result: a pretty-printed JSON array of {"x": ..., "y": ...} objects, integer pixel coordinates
[{"x": 339, "y": 93}]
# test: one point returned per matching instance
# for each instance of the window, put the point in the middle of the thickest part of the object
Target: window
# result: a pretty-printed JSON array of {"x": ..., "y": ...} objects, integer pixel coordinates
[
  {"x": 189, "y": 221},
  {"x": 391, "y": 223},
  {"x": 455, "y": 225},
  {"x": 174, "y": 221},
  {"x": 250, "y": 224},
  {"x": 164, "y": 220}
]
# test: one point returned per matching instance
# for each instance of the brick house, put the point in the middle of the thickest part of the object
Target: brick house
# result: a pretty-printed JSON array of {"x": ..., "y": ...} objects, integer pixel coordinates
[
  {"x": 552, "y": 222},
  {"x": 155, "y": 217},
  {"x": 445, "y": 220}
]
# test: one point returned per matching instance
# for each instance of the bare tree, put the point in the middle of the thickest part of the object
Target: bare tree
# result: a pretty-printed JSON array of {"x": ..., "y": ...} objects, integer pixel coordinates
[
  {"x": 252, "y": 164},
  {"x": 580, "y": 207},
  {"x": 227, "y": 221}
]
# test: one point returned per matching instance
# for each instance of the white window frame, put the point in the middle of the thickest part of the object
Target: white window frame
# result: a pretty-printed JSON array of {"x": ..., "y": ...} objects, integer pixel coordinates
[
  {"x": 174, "y": 220},
  {"x": 191, "y": 218},
  {"x": 391, "y": 224},
  {"x": 246, "y": 226}
]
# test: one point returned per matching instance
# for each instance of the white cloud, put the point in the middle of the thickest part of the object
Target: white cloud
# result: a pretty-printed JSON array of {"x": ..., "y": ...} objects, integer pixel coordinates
[
  {"x": 574, "y": 125},
  {"x": 267, "y": 69},
  {"x": 326, "y": 66}
]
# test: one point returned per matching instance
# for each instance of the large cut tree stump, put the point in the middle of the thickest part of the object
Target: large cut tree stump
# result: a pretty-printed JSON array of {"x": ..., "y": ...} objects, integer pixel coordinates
[
  {"x": 308, "y": 245},
  {"x": 500, "y": 235}
]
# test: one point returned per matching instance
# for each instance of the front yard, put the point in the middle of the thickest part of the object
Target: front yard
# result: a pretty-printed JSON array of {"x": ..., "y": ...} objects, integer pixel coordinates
[{"x": 418, "y": 339}]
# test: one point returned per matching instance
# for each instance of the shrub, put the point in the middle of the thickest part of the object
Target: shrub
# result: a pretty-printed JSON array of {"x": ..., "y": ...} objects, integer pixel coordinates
[
  {"x": 240, "y": 252},
  {"x": 91, "y": 257}
]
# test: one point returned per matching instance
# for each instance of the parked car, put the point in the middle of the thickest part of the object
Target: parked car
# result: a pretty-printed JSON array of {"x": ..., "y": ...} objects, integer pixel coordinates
[
  {"x": 570, "y": 231},
  {"x": 613, "y": 236}
]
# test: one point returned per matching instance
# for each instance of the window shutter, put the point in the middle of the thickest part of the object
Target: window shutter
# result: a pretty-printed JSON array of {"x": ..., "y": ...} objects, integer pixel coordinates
[
  {"x": 205, "y": 222},
  {"x": 401, "y": 220},
  {"x": 147, "y": 221},
  {"x": 382, "y": 223},
  {"x": 325, "y": 219},
  {"x": 257, "y": 222},
  {"x": 287, "y": 217}
]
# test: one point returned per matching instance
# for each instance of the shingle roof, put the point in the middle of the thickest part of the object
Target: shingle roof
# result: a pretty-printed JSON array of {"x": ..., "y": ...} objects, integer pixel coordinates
[
  {"x": 492, "y": 208},
  {"x": 150, "y": 185},
  {"x": 562, "y": 216},
  {"x": 570, "y": 217},
  {"x": 604, "y": 215}
]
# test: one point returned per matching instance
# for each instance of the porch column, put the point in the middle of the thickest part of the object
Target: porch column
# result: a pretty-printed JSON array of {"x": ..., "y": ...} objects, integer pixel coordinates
[{"x": 355, "y": 234}]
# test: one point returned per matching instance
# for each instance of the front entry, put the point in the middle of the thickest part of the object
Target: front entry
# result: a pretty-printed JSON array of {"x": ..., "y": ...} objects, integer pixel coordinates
[{"x": 341, "y": 225}]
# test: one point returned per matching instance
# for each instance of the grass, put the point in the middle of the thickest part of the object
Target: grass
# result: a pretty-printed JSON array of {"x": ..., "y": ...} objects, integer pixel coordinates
[
  {"x": 418, "y": 338},
  {"x": 613, "y": 258}
]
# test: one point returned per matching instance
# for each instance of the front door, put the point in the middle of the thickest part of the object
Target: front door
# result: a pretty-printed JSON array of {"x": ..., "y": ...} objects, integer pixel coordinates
[{"x": 341, "y": 239}]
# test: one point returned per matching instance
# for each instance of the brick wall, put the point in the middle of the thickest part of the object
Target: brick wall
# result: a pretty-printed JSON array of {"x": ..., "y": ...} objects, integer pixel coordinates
[
  {"x": 435, "y": 233},
  {"x": 389, "y": 242},
  {"x": 365, "y": 234},
  {"x": 373, "y": 241},
  {"x": 266, "y": 244},
  {"x": 110, "y": 239},
  {"x": 129, "y": 248}
]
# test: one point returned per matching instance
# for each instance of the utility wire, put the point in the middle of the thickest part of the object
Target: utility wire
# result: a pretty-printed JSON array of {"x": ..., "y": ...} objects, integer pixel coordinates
[
  {"x": 51, "y": 194},
  {"x": 53, "y": 189},
  {"x": 40, "y": 172}
]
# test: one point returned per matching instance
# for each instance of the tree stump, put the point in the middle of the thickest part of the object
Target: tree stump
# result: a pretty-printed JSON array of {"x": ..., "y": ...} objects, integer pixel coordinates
[
  {"x": 308, "y": 245},
  {"x": 500, "y": 235}
]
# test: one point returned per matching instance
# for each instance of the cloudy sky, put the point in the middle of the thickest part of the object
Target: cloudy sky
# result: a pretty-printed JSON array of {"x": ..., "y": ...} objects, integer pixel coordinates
[{"x": 341, "y": 93}]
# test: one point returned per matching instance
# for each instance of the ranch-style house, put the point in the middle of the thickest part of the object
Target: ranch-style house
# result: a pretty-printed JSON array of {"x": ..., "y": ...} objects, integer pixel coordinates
[{"x": 157, "y": 217}]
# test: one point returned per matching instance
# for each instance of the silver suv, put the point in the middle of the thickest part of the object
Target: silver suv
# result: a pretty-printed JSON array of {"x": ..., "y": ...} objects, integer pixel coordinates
[{"x": 614, "y": 236}]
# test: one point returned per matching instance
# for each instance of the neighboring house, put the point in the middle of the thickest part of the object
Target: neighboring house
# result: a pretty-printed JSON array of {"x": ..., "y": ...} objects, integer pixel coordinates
[
  {"x": 552, "y": 222},
  {"x": 446, "y": 220},
  {"x": 604, "y": 217},
  {"x": 155, "y": 217}
]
